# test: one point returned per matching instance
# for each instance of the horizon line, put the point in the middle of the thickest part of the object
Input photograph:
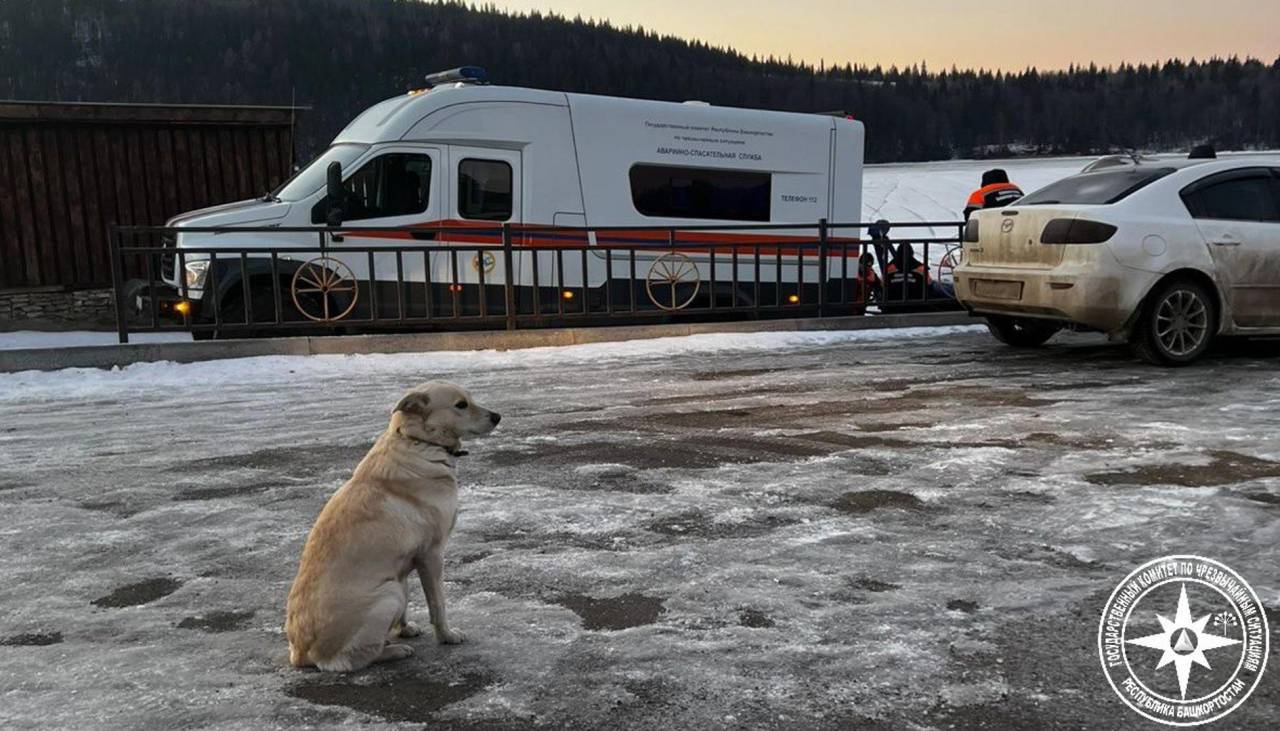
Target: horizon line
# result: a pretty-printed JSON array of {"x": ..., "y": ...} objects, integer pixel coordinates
[{"x": 589, "y": 21}]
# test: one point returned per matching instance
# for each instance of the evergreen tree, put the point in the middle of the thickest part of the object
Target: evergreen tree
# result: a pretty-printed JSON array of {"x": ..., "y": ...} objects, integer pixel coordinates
[{"x": 340, "y": 56}]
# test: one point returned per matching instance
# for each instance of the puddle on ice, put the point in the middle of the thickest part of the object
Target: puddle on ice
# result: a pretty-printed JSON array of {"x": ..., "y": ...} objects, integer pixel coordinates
[
  {"x": 732, "y": 374},
  {"x": 875, "y": 585},
  {"x": 754, "y": 618},
  {"x": 215, "y": 493},
  {"x": 142, "y": 592},
  {"x": 615, "y": 478},
  {"x": 405, "y": 696},
  {"x": 613, "y": 613},
  {"x": 1265, "y": 498},
  {"x": 698, "y": 525},
  {"x": 1223, "y": 468},
  {"x": 217, "y": 621},
  {"x": 653, "y": 452},
  {"x": 34, "y": 639},
  {"x": 864, "y": 501},
  {"x": 1048, "y": 555},
  {"x": 301, "y": 460}
]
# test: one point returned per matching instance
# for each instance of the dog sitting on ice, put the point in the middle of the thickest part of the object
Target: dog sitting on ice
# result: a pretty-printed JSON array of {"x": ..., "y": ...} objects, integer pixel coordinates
[{"x": 395, "y": 514}]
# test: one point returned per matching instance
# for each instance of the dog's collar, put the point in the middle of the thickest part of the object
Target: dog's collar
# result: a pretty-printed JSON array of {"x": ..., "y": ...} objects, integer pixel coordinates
[{"x": 451, "y": 451}]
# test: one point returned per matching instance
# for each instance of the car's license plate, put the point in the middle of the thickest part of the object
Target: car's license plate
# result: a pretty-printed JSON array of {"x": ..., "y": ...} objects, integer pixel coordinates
[{"x": 997, "y": 289}]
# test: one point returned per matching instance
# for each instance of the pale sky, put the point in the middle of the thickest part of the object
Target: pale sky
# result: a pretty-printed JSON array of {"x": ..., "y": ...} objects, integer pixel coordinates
[{"x": 1047, "y": 34}]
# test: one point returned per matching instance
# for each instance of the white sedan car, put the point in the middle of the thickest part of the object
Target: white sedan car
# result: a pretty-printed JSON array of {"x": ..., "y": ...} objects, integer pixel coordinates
[{"x": 1164, "y": 254}]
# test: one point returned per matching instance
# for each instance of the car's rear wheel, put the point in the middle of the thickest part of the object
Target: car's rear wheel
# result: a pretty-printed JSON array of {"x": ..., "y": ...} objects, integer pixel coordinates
[
  {"x": 1176, "y": 324},
  {"x": 1022, "y": 332}
]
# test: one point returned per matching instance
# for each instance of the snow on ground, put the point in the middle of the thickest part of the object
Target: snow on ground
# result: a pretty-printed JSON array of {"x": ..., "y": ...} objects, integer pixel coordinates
[
  {"x": 802, "y": 531},
  {"x": 937, "y": 191},
  {"x": 77, "y": 338}
]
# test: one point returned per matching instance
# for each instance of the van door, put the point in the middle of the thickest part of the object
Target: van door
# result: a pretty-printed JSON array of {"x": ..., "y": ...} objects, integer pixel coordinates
[
  {"x": 485, "y": 193},
  {"x": 395, "y": 186},
  {"x": 1238, "y": 214},
  {"x": 486, "y": 187}
]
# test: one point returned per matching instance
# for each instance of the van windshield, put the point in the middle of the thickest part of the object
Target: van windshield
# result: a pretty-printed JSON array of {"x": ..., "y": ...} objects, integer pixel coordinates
[
  {"x": 312, "y": 177},
  {"x": 1100, "y": 188}
]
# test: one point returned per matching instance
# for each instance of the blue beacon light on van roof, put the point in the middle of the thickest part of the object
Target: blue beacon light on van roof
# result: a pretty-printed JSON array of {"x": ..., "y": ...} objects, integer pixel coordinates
[{"x": 460, "y": 75}]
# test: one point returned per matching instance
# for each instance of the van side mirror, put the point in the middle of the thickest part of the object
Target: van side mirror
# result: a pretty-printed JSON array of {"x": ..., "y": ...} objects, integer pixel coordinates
[{"x": 334, "y": 194}]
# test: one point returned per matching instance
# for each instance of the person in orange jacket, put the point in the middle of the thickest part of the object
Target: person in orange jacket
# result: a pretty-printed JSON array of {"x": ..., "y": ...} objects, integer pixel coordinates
[{"x": 996, "y": 192}]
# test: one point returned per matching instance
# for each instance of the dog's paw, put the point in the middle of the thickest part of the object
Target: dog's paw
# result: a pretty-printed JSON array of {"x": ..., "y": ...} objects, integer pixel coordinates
[
  {"x": 409, "y": 629},
  {"x": 391, "y": 653},
  {"x": 450, "y": 637}
]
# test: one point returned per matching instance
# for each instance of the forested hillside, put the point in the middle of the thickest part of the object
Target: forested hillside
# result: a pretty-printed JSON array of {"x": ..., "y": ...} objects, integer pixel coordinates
[{"x": 339, "y": 56}]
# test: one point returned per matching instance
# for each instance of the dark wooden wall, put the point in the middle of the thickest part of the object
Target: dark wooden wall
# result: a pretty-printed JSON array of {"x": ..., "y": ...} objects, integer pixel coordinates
[{"x": 68, "y": 172}]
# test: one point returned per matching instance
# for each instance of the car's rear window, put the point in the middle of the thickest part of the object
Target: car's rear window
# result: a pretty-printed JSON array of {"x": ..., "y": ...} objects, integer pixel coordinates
[{"x": 1100, "y": 188}]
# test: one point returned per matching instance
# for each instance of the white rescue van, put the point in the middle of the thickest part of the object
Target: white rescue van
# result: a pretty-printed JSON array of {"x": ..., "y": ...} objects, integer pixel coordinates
[{"x": 467, "y": 155}]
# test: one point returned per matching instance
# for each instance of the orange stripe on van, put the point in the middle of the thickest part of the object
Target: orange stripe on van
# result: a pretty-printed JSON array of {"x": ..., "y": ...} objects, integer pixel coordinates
[{"x": 544, "y": 236}]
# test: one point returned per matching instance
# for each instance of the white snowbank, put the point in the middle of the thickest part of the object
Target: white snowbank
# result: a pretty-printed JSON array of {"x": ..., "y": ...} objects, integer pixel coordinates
[
  {"x": 217, "y": 375},
  {"x": 77, "y": 338}
]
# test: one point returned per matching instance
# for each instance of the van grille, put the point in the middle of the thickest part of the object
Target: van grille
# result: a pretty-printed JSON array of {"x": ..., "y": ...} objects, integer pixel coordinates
[{"x": 169, "y": 259}]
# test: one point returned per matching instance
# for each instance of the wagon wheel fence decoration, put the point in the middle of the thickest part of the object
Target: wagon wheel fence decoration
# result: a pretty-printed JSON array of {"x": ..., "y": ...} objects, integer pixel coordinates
[
  {"x": 673, "y": 281},
  {"x": 948, "y": 263},
  {"x": 321, "y": 287}
]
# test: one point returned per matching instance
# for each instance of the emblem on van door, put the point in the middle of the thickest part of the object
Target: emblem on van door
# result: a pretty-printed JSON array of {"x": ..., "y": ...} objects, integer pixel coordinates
[
  {"x": 490, "y": 262},
  {"x": 1006, "y": 225}
]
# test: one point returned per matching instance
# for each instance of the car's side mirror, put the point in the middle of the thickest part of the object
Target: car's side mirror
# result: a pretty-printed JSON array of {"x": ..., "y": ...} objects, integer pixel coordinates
[{"x": 334, "y": 194}]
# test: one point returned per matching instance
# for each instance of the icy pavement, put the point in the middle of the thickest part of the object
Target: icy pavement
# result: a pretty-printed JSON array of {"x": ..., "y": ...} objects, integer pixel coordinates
[{"x": 894, "y": 530}]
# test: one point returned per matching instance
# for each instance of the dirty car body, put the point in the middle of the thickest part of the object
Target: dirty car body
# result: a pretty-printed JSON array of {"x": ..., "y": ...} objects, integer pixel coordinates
[{"x": 1091, "y": 251}]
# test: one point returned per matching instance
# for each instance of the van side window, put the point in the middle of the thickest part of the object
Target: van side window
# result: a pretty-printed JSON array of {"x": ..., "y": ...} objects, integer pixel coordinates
[
  {"x": 1244, "y": 198},
  {"x": 395, "y": 184},
  {"x": 667, "y": 191},
  {"x": 484, "y": 190}
]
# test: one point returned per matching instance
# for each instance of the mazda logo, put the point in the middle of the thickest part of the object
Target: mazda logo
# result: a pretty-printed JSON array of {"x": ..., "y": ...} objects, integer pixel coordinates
[{"x": 1006, "y": 225}]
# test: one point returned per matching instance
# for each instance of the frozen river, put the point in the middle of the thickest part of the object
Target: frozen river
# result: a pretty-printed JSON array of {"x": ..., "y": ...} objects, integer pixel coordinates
[{"x": 898, "y": 529}]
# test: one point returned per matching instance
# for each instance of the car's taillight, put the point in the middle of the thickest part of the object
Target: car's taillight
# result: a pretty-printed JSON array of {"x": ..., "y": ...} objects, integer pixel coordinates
[
  {"x": 1076, "y": 231},
  {"x": 971, "y": 231}
]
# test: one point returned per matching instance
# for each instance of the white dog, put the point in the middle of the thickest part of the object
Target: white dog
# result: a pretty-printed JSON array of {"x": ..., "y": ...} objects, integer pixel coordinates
[{"x": 393, "y": 516}]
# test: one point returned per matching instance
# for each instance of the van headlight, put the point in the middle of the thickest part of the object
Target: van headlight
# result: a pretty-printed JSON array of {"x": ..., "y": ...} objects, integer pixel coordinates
[{"x": 196, "y": 271}]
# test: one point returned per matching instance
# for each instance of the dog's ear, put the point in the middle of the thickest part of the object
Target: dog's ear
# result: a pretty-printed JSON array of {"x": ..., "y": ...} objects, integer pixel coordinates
[{"x": 414, "y": 403}]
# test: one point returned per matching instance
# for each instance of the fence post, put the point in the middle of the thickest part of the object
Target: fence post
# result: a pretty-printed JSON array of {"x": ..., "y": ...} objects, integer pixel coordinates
[
  {"x": 509, "y": 286},
  {"x": 117, "y": 283},
  {"x": 822, "y": 267}
]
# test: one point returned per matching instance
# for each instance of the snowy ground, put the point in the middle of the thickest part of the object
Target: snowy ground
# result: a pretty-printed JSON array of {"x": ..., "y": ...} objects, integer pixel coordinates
[
  {"x": 937, "y": 191},
  {"x": 887, "y": 530},
  {"x": 77, "y": 338}
]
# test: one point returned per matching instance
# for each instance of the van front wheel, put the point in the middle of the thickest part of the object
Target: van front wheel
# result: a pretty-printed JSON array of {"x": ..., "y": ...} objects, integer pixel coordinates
[
  {"x": 1022, "y": 332},
  {"x": 1176, "y": 324}
]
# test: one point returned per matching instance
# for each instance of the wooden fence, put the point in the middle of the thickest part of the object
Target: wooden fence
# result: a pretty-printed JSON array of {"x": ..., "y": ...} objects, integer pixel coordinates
[{"x": 68, "y": 172}]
